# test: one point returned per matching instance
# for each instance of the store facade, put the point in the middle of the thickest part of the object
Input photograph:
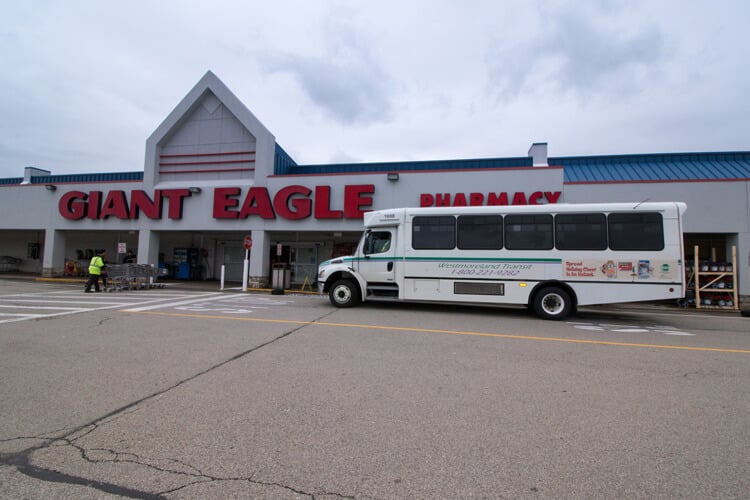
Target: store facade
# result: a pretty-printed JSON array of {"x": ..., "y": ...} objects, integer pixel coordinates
[{"x": 214, "y": 175}]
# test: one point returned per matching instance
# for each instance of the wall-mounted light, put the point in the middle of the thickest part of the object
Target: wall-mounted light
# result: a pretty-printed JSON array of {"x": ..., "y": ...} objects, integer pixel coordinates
[
  {"x": 194, "y": 190},
  {"x": 50, "y": 187},
  {"x": 392, "y": 176}
]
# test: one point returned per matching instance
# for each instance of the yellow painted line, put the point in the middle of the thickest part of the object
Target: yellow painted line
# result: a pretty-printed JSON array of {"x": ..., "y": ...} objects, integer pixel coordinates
[{"x": 448, "y": 332}]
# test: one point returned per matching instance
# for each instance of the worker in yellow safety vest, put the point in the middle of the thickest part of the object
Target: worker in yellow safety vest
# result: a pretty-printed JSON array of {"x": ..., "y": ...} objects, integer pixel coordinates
[{"x": 95, "y": 271}]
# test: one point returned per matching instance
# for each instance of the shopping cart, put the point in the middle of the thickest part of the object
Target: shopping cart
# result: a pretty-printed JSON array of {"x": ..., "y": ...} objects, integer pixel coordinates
[{"x": 132, "y": 277}]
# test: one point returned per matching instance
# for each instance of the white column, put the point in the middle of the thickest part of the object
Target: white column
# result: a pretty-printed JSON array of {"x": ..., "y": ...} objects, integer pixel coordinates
[
  {"x": 148, "y": 247},
  {"x": 259, "y": 266},
  {"x": 53, "y": 261}
]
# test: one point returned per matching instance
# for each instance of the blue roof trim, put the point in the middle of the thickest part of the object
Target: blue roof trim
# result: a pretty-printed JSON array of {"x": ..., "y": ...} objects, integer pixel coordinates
[
  {"x": 74, "y": 178},
  {"x": 282, "y": 162},
  {"x": 339, "y": 168},
  {"x": 663, "y": 167},
  {"x": 655, "y": 167}
]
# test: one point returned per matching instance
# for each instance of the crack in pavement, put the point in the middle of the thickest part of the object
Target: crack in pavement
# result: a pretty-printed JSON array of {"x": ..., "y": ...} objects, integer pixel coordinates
[{"x": 23, "y": 463}]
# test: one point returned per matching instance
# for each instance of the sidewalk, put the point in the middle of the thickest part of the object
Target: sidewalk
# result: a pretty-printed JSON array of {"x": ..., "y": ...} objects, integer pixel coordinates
[
  {"x": 214, "y": 286},
  {"x": 201, "y": 285}
]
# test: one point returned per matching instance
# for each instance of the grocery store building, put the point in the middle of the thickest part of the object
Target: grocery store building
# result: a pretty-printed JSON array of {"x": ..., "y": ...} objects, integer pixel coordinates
[{"x": 214, "y": 174}]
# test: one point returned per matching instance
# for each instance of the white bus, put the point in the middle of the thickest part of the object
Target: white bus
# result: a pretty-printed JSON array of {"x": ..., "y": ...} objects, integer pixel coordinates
[{"x": 551, "y": 258}]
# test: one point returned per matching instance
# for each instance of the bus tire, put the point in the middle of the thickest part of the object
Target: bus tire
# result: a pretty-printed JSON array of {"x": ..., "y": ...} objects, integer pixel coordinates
[
  {"x": 344, "y": 293},
  {"x": 553, "y": 303}
]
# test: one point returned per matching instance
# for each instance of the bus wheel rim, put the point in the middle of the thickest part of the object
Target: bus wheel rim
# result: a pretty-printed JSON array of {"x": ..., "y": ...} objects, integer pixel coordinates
[
  {"x": 342, "y": 294},
  {"x": 553, "y": 303}
]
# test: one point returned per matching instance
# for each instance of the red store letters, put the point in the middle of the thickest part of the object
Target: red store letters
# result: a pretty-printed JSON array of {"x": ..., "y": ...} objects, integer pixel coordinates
[{"x": 290, "y": 202}]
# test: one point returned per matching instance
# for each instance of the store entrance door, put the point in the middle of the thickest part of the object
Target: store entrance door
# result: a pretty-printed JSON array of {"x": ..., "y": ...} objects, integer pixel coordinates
[
  {"x": 300, "y": 258},
  {"x": 304, "y": 264},
  {"x": 233, "y": 260}
]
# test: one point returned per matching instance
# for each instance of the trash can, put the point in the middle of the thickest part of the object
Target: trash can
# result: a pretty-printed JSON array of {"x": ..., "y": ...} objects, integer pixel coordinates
[
  {"x": 280, "y": 279},
  {"x": 183, "y": 271}
]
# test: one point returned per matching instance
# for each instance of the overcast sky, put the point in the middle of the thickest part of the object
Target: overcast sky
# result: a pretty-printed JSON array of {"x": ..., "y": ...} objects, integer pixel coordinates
[{"x": 84, "y": 83}]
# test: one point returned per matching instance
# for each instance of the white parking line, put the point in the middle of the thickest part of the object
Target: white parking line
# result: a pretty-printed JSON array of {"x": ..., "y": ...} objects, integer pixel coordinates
[
  {"x": 205, "y": 298},
  {"x": 660, "y": 329},
  {"x": 41, "y": 307},
  {"x": 66, "y": 301},
  {"x": 98, "y": 302}
]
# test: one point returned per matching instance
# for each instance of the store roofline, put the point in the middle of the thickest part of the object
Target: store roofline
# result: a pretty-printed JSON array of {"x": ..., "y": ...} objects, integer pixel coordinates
[{"x": 650, "y": 167}]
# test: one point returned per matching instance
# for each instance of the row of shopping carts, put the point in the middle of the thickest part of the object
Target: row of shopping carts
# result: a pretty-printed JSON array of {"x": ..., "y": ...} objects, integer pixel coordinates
[
  {"x": 9, "y": 264},
  {"x": 131, "y": 277}
]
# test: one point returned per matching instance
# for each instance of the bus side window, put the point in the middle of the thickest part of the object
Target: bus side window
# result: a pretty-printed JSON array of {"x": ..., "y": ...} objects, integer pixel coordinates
[
  {"x": 636, "y": 231},
  {"x": 528, "y": 232},
  {"x": 480, "y": 232},
  {"x": 580, "y": 232},
  {"x": 434, "y": 232}
]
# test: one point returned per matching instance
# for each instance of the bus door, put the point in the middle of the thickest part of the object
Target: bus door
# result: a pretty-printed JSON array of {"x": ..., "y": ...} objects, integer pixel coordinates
[{"x": 377, "y": 262}]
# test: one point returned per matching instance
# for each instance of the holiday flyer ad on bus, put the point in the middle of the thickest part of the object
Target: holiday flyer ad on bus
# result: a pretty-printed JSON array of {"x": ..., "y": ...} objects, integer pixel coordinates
[{"x": 622, "y": 270}]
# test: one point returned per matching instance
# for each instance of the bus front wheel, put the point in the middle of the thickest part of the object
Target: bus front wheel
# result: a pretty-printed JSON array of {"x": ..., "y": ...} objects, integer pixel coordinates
[
  {"x": 552, "y": 303},
  {"x": 344, "y": 293}
]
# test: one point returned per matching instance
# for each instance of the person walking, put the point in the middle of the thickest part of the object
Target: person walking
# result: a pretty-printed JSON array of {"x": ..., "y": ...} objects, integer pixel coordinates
[{"x": 95, "y": 271}]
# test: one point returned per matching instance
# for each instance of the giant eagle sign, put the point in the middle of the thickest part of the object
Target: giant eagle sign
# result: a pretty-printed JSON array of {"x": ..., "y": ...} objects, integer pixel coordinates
[{"x": 291, "y": 202}]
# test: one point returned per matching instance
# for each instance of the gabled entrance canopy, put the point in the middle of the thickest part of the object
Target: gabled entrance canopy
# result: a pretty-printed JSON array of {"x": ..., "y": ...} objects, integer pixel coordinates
[{"x": 210, "y": 138}]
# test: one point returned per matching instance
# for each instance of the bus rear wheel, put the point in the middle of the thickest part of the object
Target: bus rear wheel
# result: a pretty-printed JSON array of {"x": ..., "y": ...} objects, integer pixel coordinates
[
  {"x": 344, "y": 293},
  {"x": 553, "y": 303}
]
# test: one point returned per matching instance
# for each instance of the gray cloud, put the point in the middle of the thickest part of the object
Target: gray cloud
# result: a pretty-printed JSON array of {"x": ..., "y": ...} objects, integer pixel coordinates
[
  {"x": 87, "y": 82},
  {"x": 579, "y": 54},
  {"x": 347, "y": 82}
]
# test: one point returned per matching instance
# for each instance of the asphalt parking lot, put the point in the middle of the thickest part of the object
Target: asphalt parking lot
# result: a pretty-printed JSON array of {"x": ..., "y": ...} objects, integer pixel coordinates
[{"x": 189, "y": 392}]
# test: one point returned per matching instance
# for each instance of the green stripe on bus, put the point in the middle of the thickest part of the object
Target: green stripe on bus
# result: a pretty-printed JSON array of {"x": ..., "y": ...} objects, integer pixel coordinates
[{"x": 457, "y": 259}]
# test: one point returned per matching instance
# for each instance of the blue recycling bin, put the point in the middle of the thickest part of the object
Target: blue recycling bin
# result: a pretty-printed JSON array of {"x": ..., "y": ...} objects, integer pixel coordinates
[{"x": 183, "y": 272}]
